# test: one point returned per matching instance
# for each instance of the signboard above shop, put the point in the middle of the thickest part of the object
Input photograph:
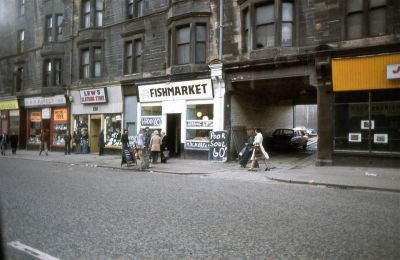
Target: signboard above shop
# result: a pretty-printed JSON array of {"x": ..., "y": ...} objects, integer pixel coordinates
[
  {"x": 45, "y": 101},
  {"x": 93, "y": 96},
  {"x": 183, "y": 90}
]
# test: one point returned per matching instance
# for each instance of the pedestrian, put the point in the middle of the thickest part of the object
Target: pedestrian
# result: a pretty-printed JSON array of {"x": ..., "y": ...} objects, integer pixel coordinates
[
  {"x": 259, "y": 151},
  {"x": 155, "y": 146},
  {"x": 147, "y": 138},
  {"x": 101, "y": 142},
  {"x": 67, "y": 143},
  {"x": 44, "y": 136},
  {"x": 3, "y": 143},
  {"x": 14, "y": 142},
  {"x": 140, "y": 143},
  {"x": 248, "y": 148},
  {"x": 77, "y": 141},
  {"x": 85, "y": 141},
  {"x": 125, "y": 139},
  {"x": 164, "y": 147}
]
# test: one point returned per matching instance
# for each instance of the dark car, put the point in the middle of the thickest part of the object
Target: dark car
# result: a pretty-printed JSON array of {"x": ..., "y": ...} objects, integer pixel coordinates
[{"x": 288, "y": 138}]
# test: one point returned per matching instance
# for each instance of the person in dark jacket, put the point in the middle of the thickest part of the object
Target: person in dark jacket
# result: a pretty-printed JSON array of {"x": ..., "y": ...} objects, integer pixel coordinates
[
  {"x": 125, "y": 139},
  {"x": 164, "y": 147},
  {"x": 101, "y": 143},
  {"x": 44, "y": 136},
  {"x": 67, "y": 143},
  {"x": 14, "y": 142},
  {"x": 77, "y": 141}
]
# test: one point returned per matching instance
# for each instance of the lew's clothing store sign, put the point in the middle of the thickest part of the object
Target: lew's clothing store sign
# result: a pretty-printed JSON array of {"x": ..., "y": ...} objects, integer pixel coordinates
[
  {"x": 95, "y": 95},
  {"x": 195, "y": 89}
]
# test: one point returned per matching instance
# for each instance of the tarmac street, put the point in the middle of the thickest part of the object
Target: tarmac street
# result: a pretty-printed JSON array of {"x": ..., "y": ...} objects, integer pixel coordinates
[{"x": 82, "y": 211}]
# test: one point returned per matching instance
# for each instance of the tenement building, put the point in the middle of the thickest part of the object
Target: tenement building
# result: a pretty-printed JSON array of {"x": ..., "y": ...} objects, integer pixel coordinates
[{"x": 189, "y": 67}]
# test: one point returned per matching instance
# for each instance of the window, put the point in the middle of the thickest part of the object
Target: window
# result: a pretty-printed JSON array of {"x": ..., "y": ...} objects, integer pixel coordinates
[
  {"x": 22, "y": 7},
  {"x": 91, "y": 62},
  {"x": 49, "y": 28},
  {"x": 287, "y": 24},
  {"x": 59, "y": 27},
  {"x": 113, "y": 129},
  {"x": 19, "y": 80},
  {"x": 128, "y": 57},
  {"x": 52, "y": 73},
  {"x": 183, "y": 45},
  {"x": 200, "y": 43},
  {"x": 97, "y": 62},
  {"x": 246, "y": 29},
  {"x": 138, "y": 56},
  {"x": 21, "y": 41},
  {"x": 86, "y": 14},
  {"x": 199, "y": 122},
  {"x": 265, "y": 26},
  {"x": 135, "y": 8},
  {"x": 133, "y": 56},
  {"x": 365, "y": 18},
  {"x": 99, "y": 13}
]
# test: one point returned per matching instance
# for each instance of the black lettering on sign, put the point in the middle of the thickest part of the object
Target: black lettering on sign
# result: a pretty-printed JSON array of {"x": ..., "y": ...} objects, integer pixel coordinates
[
  {"x": 200, "y": 146},
  {"x": 218, "y": 150}
]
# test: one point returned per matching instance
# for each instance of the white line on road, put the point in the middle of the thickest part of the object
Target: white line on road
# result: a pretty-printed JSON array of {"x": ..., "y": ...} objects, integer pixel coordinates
[{"x": 31, "y": 251}]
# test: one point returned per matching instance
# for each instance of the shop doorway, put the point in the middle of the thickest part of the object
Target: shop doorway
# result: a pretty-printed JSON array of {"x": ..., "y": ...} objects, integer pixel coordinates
[
  {"x": 95, "y": 127},
  {"x": 46, "y": 127},
  {"x": 174, "y": 134}
]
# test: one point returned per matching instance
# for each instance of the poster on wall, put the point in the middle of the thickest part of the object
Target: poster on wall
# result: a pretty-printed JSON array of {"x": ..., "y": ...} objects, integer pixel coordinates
[
  {"x": 46, "y": 113},
  {"x": 36, "y": 116},
  {"x": 150, "y": 121},
  {"x": 365, "y": 124},
  {"x": 381, "y": 138},
  {"x": 218, "y": 150},
  {"x": 354, "y": 137},
  {"x": 60, "y": 114}
]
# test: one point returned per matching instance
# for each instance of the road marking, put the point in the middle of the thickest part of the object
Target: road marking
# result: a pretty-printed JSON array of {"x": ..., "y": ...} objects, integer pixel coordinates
[{"x": 31, "y": 251}]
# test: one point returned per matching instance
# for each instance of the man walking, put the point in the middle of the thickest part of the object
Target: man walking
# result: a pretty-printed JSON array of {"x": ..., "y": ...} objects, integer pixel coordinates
[
  {"x": 77, "y": 141},
  {"x": 14, "y": 142},
  {"x": 43, "y": 142},
  {"x": 101, "y": 142},
  {"x": 67, "y": 144}
]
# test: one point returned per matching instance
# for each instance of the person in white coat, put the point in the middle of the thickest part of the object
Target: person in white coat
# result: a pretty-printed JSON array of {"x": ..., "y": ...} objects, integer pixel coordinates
[{"x": 259, "y": 152}]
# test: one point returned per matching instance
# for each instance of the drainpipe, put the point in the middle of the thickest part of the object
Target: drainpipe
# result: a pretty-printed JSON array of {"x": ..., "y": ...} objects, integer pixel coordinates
[
  {"x": 221, "y": 27},
  {"x": 70, "y": 68}
]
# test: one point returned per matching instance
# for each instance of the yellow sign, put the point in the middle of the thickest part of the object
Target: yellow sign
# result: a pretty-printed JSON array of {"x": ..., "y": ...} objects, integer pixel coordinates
[
  {"x": 364, "y": 73},
  {"x": 60, "y": 114},
  {"x": 9, "y": 105}
]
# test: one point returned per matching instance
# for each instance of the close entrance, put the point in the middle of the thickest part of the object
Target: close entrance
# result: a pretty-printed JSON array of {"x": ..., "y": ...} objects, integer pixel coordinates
[
  {"x": 174, "y": 134},
  {"x": 95, "y": 127}
]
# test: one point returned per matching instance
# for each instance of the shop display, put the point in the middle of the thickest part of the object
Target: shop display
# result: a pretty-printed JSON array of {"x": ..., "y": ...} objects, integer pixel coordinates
[
  {"x": 113, "y": 129},
  {"x": 59, "y": 131}
]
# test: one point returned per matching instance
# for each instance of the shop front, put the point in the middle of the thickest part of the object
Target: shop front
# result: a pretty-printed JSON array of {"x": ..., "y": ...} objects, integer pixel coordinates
[
  {"x": 96, "y": 109},
  {"x": 186, "y": 110},
  {"x": 46, "y": 114},
  {"x": 366, "y": 108},
  {"x": 9, "y": 116}
]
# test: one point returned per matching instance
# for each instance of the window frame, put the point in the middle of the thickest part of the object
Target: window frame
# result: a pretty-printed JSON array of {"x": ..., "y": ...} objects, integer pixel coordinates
[
  {"x": 90, "y": 17},
  {"x": 90, "y": 67},
  {"x": 52, "y": 77},
  {"x": 22, "y": 4},
  {"x": 21, "y": 41},
  {"x": 135, "y": 57}
]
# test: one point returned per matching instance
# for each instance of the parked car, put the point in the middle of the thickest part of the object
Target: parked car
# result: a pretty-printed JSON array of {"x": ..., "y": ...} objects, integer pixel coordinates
[{"x": 288, "y": 138}]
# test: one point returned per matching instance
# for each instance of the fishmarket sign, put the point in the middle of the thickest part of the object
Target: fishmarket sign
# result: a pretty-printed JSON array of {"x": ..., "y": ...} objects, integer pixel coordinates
[
  {"x": 195, "y": 89},
  {"x": 94, "y": 95},
  {"x": 45, "y": 101},
  {"x": 150, "y": 121}
]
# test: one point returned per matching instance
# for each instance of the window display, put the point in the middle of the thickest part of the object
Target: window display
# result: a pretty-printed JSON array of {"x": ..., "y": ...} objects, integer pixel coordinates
[
  {"x": 113, "y": 129},
  {"x": 200, "y": 112},
  {"x": 80, "y": 123},
  {"x": 35, "y": 126},
  {"x": 60, "y": 125},
  {"x": 199, "y": 122}
]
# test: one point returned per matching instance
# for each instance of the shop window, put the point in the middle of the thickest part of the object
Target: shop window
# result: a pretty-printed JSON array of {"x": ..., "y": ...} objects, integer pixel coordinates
[
  {"x": 21, "y": 41},
  {"x": 91, "y": 62},
  {"x": 113, "y": 129},
  {"x": 35, "y": 126},
  {"x": 52, "y": 72},
  {"x": 188, "y": 44},
  {"x": 14, "y": 121},
  {"x": 199, "y": 135},
  {"x": 60, "y": 125},
  {"x": 366, "y": 18},
  {"x": 200, "y": 112},
  {"x": 151, "y": 111},
  {"x": 80, "y": 124},
  {"x": 133, "y": 56},
  {"x": 199, "y": 122},
  {"x": 92, "y": 13},
  {"x": 21, "y": 7},
  {"x": 368, "y": 121}
]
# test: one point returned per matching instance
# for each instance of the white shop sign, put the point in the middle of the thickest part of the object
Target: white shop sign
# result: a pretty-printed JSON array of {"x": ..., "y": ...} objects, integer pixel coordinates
[
  {"x": 393, "y": 71},
  {"x": 94, "y": 95},
  {"x": 46, "y": 113},
  {"x": 183, "y": 90},
  {"x": 150, "y": 121},
  {"x": 45, "y": 101}
]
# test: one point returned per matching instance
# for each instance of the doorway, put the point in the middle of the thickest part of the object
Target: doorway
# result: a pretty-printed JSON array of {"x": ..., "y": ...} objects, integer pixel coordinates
[
  {"x": 174, "y": 134},
  {"x": 95, "y": 127}
]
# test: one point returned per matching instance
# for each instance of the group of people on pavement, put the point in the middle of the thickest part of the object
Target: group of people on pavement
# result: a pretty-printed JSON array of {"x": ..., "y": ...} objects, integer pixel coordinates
[
  {"x": 154, "y": 143},
  {"x": 5, "y": 140},
  {"x": 254, "y": 150}
]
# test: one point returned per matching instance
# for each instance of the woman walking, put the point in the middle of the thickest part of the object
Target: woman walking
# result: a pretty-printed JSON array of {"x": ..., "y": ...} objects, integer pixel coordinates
[
  {"x": 259, "y": 151},
  {"x": 155, "y": 146}
]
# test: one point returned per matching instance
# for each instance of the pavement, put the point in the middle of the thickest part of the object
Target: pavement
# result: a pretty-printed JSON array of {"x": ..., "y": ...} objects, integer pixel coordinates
[{"x": 292, "y": 168}]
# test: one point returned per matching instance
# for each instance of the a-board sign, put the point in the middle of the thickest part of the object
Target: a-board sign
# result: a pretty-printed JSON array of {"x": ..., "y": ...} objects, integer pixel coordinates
[
  {"x": 218, "y": 149},
  {"x": 128, "y": 158}
]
